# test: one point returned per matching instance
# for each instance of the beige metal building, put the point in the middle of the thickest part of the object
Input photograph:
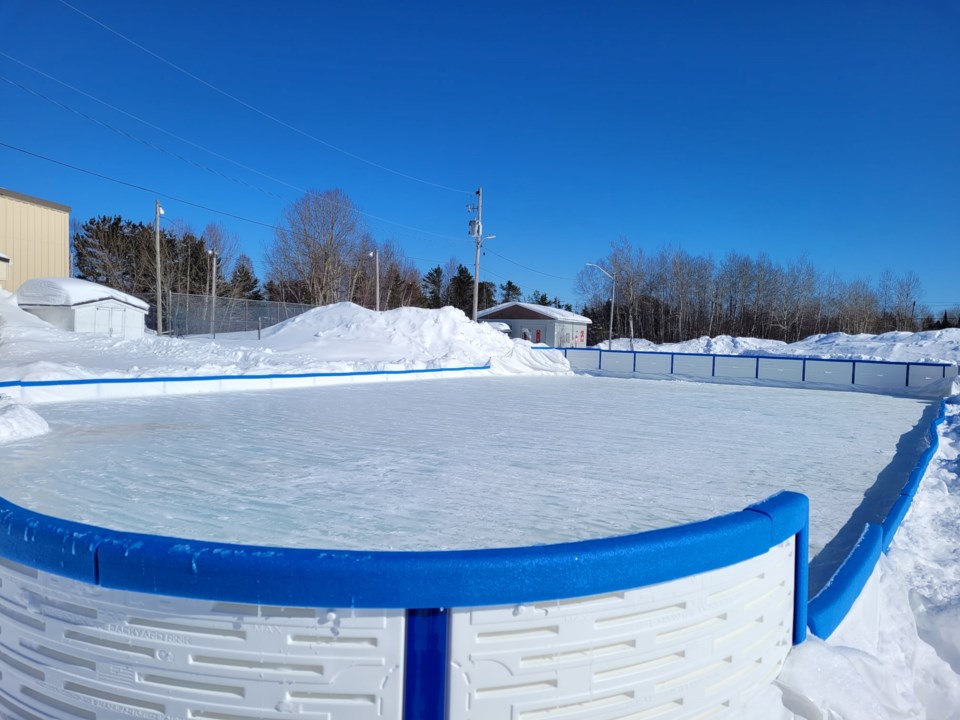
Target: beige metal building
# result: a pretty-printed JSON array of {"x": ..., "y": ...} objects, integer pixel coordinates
[{"x": 35, "y": 236}]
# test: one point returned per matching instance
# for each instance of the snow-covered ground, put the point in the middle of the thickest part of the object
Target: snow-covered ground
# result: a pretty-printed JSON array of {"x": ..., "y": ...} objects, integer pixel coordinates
[
  {"x": 895, "y": 656},
  {"x": 337, "y": 338}
]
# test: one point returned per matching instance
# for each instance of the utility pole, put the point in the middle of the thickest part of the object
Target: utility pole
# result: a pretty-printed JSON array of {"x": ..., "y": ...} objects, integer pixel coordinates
[
  {"x": 156, "y": 240},
  {"x": 376, "y": 261},
  {"x": 213, "y": 293},
  {"x": 613, "y": 297},
  {"x": 476, "y": 232}
]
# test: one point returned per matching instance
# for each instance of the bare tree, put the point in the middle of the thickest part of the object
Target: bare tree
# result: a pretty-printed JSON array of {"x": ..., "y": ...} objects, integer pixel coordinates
[{"x": 317, "y": 247}]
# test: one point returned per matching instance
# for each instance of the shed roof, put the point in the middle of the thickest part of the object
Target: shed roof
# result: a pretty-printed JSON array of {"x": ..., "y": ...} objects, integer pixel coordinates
[
  {"x": 524, "y": 310},
  {"x": 71, "y": 291},
  {"x": 4, "y": 258}
]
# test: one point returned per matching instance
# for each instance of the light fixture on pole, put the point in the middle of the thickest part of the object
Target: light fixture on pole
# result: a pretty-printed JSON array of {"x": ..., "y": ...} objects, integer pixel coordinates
[
  {"x": 476, "y": 232},
  {"x": 375, "y": 254},
  {"x": 213, "y": 292},
  {"x": 613, "y": 295},
  {"x": 156, "y": 239}
]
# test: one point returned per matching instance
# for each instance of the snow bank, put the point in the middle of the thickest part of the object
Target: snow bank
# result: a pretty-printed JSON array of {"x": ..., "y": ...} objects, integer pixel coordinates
[
  {"x": 335, "y": 339},
  {"x": 18, "y": 422},
  {"x": 930, "y": 346},
  {"x": 405, "y": 338},
  {"x": 897, "y": 653},
  {"x": 720, "y": 345}
]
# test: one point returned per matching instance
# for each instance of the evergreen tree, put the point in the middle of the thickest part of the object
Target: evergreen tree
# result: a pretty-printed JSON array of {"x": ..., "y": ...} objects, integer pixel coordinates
[
  {"x": 509, "y": 292},
  {"x": 243, "y": 281},
  {"x": 432, "y": 285},
  {"x": 461, "y": 290},
  {"x": 117, "y": 253},
  {"x": 539, "y": 298},
  {"x": 486, "y": 295}
]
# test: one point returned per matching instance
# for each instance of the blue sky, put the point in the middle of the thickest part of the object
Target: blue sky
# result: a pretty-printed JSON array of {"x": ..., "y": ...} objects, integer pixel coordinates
[{"x": 824, "y": 129}]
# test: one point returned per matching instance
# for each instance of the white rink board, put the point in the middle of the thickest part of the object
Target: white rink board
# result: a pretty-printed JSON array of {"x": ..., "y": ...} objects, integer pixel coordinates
[
  {"x": 707, "y": 645},
  {"x": 72, "y": 650},
  {"x": 617, "y": 362},
  {"x": 782, "y": 369},
  {"x": 892, "y": 377},
  {"x": 654, "y": 364},
  {"x": 696, "y": 365},
  {"x": 735, "y": 366},
  {"x": 921, "y": 375},
  {"x": 829, "y": 371},
  {"x": 583, "y": 359}
]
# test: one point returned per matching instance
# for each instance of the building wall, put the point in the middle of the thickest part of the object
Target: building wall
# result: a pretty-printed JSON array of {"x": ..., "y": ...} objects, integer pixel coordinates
[
  {"x": 35, "y": 235},
  {"x": 552, "y": 332},
  {"x": 108, "y": 317}
]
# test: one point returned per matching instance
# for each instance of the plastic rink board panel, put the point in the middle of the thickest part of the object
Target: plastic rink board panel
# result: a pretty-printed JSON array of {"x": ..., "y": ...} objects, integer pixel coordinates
[
  {"x": 654, "y": 363},
  {"x": 705, "y": 645},
  {"x": 782, "y": 369},
  {"x": 921, "y": 375},
  {"x": 583, "y": 359},
  {"x": 620, "y": 362},
  {"x": 829, "y": 371},
  {"x": 73, "y": 650},
  {"x": 735, "y": 366},
  {"x": 695, "y": 365},
  {"x": 882, "y": 375}
]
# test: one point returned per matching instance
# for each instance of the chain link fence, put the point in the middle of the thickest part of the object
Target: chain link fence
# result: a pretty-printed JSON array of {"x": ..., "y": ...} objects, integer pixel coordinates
[{"x": 200, "y": 315}]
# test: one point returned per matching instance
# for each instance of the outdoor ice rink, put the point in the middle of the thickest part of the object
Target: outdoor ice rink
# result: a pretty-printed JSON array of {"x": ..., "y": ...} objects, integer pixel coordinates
[{"x": 466, "y": 463}]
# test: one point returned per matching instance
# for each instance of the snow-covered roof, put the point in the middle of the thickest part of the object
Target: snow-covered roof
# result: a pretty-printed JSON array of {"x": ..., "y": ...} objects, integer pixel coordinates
[
  {"x": 497, "y": 325},
  {"x": 4, "y": 258},
  {"x": 70, "y": 292},
  {"x": 545, "y": 310}
]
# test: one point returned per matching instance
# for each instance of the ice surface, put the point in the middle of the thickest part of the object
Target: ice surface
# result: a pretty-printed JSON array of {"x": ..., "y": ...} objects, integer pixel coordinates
[{"x": 485, "y": 462}]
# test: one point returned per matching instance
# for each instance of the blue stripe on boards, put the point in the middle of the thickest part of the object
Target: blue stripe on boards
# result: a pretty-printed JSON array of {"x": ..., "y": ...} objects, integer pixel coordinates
[{"x": 273, "y": 376}]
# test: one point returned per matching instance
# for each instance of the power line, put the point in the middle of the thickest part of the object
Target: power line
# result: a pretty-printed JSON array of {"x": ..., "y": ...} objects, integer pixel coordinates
[
  {"x": 527, "y": 267},
  {"x": 200, "y": 147},
  {"x": 147, "y": 122},
  {"x": 258, "y": 110},
  {"x": 138, "y": 187},
  {"x": 129, "y": 136}
]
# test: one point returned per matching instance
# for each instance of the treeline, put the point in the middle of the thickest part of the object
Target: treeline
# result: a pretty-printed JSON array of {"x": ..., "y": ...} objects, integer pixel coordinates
[
  {"x": 321, "y": 254},
  {"x": 122, "y": 254},
  {"x": 671, "y": 295}
]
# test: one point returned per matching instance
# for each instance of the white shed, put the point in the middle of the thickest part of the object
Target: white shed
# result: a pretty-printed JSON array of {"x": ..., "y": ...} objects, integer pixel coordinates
[
  {"x": 4, "y": 264},
  {"x": 81, "y": 306},
  {"x": 539, "y": 323}
]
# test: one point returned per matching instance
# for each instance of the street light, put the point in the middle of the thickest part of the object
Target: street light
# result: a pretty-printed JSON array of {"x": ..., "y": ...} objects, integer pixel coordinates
[
  {"x": 213, "y": 292},
  {"x": 156, "y": 241},
  {"x": 613, "y": 295},
  {"x": 375, "y": 254}
]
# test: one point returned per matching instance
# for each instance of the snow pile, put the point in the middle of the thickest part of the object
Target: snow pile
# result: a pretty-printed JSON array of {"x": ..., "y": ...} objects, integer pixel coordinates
[
  {"x": 18, "y": 422},
  {"x": 897, "y": 653},
  {"x": 404, "y": 338},
  {"x": 337, "y": 338},
  {"x": 929, "y": 346},
  {"x": 720, "y": 345}
]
